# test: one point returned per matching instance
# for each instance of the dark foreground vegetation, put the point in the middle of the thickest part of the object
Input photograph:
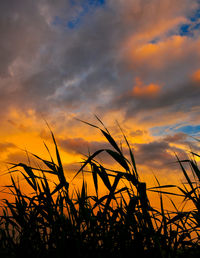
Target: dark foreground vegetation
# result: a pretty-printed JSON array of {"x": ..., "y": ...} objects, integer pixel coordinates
[{"x": 52, "y": 221}]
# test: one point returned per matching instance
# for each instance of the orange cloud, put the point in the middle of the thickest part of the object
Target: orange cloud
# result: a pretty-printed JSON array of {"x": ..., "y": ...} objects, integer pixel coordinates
[
  {"x": 157, "y": 55},
  {"x": 150, "y": 49},
  {"x": 196, "y": 76},
  {"x": 140, "y": 90},
  {"x": 156, "y": 29}
]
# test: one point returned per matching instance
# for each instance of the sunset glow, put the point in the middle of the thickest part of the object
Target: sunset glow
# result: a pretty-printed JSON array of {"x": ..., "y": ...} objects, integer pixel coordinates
[{"x": 140, "y": 90}]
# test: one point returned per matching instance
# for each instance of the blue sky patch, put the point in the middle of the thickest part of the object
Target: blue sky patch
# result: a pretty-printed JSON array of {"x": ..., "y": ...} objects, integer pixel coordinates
[
  {"x": 84, "y": 7},
  {"x": 189, "y": 129},
  {"x": 184, "y": 30},
  {"x": 192, "y": 130},
  {"x": 193, "y": 24},
  {"x": 195, "y": 17},
  {"x": 187, "y": 29},
  {"x": 87, "y": 6}
]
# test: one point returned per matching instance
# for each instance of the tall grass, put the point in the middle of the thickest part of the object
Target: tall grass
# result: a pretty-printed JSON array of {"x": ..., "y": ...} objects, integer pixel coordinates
[{"x": 53, "y": 221}]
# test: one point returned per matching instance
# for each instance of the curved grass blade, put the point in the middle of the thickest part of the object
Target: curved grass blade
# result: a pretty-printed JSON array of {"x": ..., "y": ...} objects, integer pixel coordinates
[
  {"x": 111, "y": 141},
  {"x": 130, "y": 151},
  {"x": 119, "y": 158},
  {"x": 94, "y": 174},
  {"x": 88, "y": 161}
]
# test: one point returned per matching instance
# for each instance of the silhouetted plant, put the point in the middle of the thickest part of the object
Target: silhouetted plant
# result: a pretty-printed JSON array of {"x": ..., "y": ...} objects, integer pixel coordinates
[{"x": 51, "y": 221}]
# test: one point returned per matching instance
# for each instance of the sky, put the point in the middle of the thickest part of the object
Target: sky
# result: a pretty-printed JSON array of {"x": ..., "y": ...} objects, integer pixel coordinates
[{"x": 135, "y": 61}]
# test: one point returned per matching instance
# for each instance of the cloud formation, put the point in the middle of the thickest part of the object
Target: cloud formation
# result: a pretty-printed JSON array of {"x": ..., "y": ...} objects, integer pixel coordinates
[
  {"x": 52, "y": 66},
  {"x": 137, "y": 60}
]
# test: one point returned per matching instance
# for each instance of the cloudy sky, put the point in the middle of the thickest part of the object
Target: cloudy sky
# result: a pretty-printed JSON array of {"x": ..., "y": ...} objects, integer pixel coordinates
[{"x": 134, "y": 61}]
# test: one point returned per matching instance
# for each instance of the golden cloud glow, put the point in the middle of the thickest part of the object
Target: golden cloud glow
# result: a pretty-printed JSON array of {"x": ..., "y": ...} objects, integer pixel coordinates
[
  {"x": 151, "y": 49},
  {"x": 160, "y": 54},
  {"x": 140, "y": 90},
  {"x": 196, "y": 76}
]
